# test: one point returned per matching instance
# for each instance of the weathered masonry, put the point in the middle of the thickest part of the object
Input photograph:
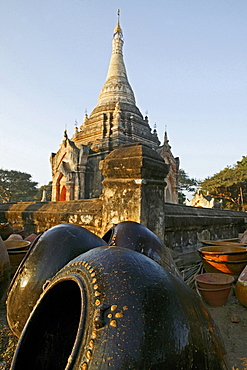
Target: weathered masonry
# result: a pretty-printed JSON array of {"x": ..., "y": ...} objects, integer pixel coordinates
[{"x": 133, "y": 190}]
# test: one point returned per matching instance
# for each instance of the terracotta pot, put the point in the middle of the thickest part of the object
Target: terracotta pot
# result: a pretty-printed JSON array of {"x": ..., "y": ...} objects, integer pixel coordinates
[
  {"x": 15, "y": 237},
  {"x": 229, "y": 267},
  {"x": 46, "y": 256},
  {"x": 227, "y": 259},
  {"x": 214, "y": 280},
  {"x": 224, "y": 253},
  {"x": 17, "y": 250},
  {"x": 17, "y": 245},
  {"x": 4, "y": 269},
  {"x": 31, "y": 238},
  {"x": 241, "y": 288},
  {"x": 215, "y": 297},
  {"x": 115, "y": 308}
]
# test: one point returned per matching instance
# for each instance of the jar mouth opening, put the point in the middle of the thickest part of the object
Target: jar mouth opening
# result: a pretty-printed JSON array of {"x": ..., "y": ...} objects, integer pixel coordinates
[{"x": 51, "y": 337}]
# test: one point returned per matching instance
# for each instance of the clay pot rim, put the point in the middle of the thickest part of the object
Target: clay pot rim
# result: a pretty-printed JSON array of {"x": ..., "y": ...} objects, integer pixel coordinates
[
  {"x": 204, "y": 250},
  {"x": 213, "y": 290},
  {"x": 22, "y": 244},
  {"x": 216, "y": 243},
  {"x": 216, "y": 274}
]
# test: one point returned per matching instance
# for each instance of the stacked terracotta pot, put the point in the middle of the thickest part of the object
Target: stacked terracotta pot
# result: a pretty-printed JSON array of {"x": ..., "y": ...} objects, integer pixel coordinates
[{"x": 214, "y": 288}]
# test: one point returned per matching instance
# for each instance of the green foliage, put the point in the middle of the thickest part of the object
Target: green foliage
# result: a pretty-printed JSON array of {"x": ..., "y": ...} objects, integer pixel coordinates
[
  {"x": 185, "y": 183},
  {"x": 16, "y": 186},
  {"x": 47, "y": 188},
  {"x": 229, "y": 186}
]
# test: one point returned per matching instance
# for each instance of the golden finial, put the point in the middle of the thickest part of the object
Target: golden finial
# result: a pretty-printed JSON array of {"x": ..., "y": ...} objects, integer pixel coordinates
[{"x": 118, "y": 28}]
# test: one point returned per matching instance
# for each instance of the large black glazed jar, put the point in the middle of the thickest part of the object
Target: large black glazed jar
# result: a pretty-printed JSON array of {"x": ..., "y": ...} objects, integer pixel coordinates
[
  {"x": 49, "y": 253},
  {"x": 114, "y": 308},
  {"x": 4, "y": 269},
  {"x": 132, "y": 235}
]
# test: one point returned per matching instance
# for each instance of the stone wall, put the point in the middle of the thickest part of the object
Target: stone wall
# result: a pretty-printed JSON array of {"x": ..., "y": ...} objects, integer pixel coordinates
[
  {"x": 185, "y": 226},
  {"x": 36, "y": 217},
  {"x": 133, "y": 190}
]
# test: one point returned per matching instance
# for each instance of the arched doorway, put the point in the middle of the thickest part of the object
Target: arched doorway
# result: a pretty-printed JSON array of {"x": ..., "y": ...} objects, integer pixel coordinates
[
  {"x": 63, "y": 193},
  {"x": 61, "y": 188}
]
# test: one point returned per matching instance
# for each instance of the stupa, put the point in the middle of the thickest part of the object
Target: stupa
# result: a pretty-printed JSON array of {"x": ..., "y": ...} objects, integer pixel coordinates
[{"x": 115, "y": 121}]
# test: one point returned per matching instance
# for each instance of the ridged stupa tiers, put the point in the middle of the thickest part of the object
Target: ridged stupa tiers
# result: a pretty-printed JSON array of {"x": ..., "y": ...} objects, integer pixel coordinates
[
  {"x": 117, "y": 87},
  {"x": 116, "y": 119}
]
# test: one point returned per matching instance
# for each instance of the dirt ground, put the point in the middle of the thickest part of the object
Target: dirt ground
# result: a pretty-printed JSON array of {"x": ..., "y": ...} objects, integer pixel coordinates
[
  {"x": 8, "y": 340},
  {"x": 231, "y": 320}
]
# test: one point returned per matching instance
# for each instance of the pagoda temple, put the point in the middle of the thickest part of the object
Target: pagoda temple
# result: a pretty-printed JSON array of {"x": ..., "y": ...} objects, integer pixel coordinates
[{"x": 115, "y": 121}]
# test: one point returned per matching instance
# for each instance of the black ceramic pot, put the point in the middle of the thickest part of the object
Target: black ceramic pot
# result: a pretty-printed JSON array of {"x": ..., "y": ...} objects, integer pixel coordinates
[
  {"x": 115, "y": 308},
  {"x": 4, "y": 269},
  {"x": 5, "y": 230},
  {"x": 49, "y": 253},
  {"x": 132, "y": 235}
]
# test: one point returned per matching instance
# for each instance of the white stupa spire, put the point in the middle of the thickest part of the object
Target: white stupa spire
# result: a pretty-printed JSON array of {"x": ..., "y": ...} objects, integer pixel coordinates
[{"x": 117, "y": 87}]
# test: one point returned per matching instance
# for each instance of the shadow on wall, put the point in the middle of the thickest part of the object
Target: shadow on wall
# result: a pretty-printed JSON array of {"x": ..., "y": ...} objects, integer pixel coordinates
[
  {"x": 4, "y": 207},
  {"x": 21, "y": 215}
]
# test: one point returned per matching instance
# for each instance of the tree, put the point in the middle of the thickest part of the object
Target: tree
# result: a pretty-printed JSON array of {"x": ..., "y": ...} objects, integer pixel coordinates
[
  {"x": 16, "y": 186},
  {"x": 229, "y": 186},
  {"x": 185, "y": 183}
]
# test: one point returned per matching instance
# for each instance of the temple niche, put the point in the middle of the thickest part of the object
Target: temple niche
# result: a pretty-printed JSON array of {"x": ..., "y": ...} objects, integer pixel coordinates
[
  {"x": 115, "y": 121},
  {"x": 204, "y": 201},
  {"x": 68, "y": 171}
]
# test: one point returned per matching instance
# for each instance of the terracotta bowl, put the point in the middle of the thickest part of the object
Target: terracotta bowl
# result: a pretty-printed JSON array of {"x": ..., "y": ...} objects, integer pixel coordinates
[
  {"x": 15, "y": 237},
  {"x": 214, "y": 280},
  {"x": 223, "y": 243},
  {"x": 224, "y": 253},
  {"x": 17, "y": 250},
  {"x": 17, "y": 245},
  {"x": 224, "y": 258},
  {"x": 227, "y": 267}
]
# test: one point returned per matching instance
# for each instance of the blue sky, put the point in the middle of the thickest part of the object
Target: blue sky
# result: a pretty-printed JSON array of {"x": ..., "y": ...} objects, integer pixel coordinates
[{"x": 185, "y": 59}]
